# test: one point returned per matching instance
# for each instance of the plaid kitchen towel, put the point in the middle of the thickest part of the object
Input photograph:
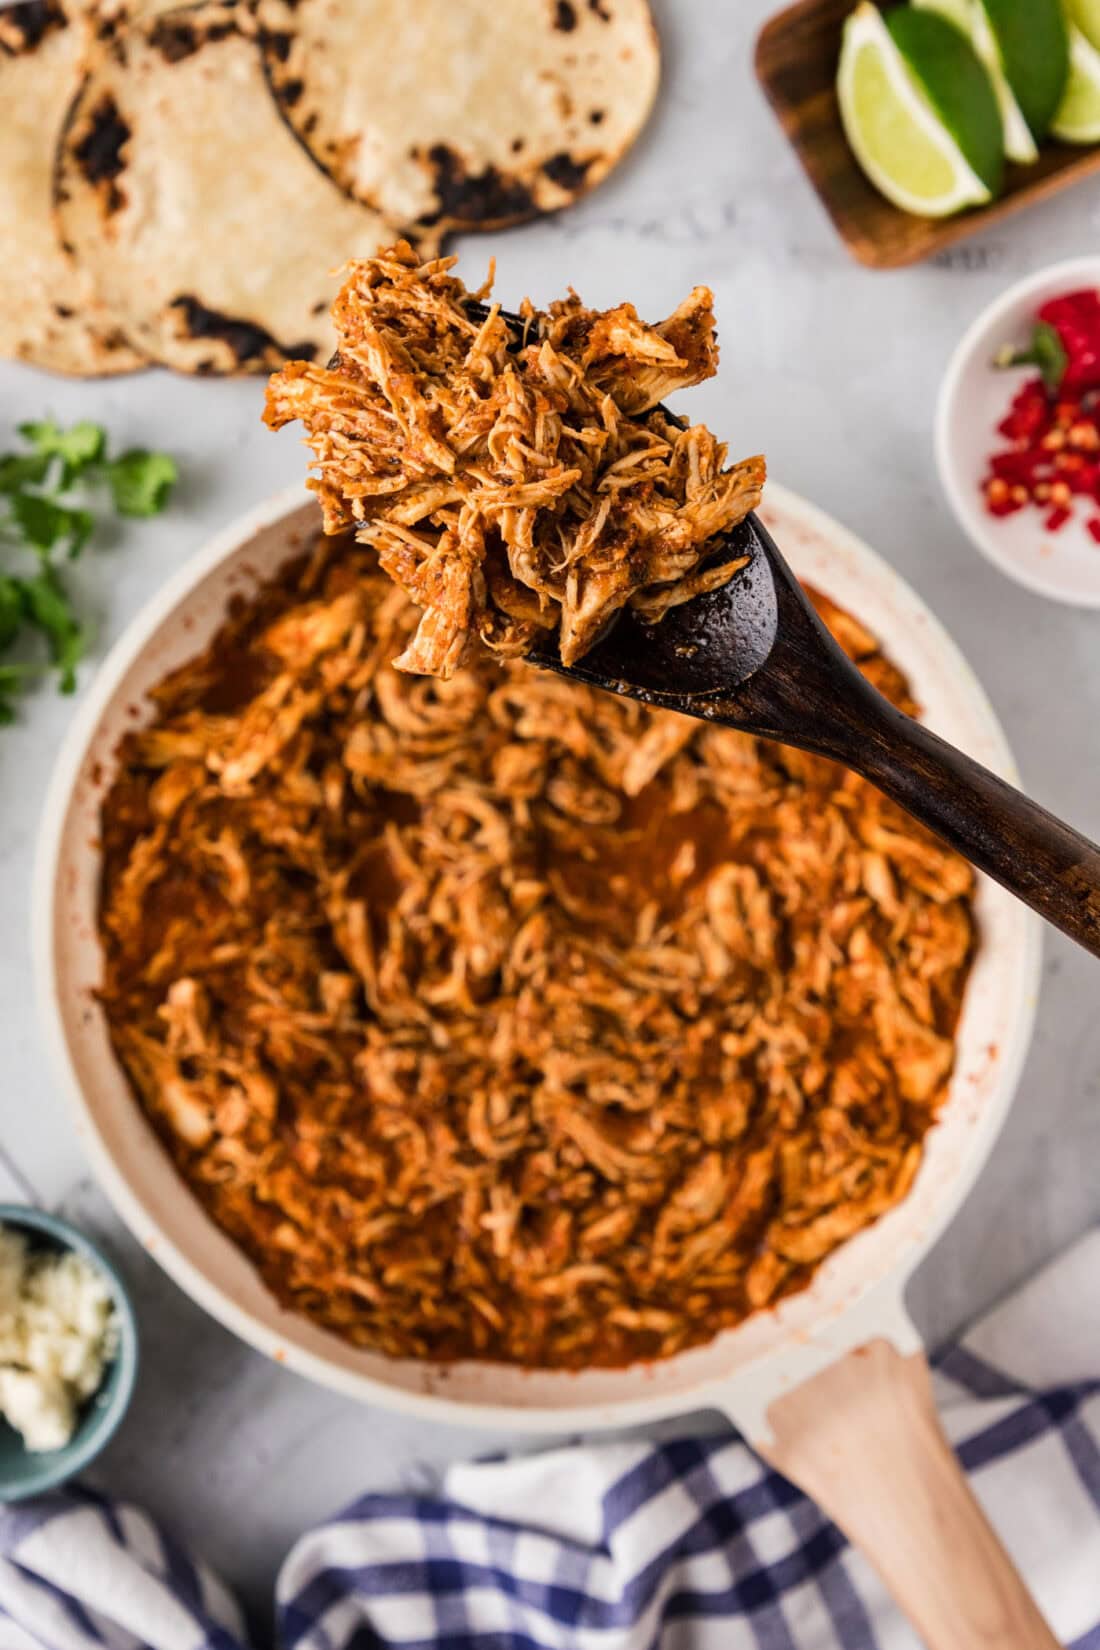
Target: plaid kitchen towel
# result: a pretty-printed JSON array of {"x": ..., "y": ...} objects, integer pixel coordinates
[{"x": 615, "y": 1546}]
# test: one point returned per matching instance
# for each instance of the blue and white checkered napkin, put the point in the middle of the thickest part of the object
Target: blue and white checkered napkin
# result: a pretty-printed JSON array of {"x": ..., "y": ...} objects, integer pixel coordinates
[{"x": 615, "y": 1546}]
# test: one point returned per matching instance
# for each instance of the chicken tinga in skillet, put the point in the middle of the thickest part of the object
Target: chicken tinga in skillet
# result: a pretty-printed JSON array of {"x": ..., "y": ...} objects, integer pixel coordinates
[{"x": 493, "y": 1015}]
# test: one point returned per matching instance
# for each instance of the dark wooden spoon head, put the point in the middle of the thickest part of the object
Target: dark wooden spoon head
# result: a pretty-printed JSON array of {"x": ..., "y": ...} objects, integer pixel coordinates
[
  {"x": 710, "y": 644},
  {"x": 722, "y": 654}
]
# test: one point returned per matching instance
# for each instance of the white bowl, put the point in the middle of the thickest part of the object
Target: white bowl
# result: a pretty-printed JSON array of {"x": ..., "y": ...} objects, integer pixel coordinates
[
  {"x": 855, "y": 1296},
  {"x": 973, "y": 400}
]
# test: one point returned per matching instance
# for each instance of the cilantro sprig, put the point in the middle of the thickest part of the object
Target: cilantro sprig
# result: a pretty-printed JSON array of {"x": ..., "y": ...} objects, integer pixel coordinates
[{"x": 52, "y": 496}]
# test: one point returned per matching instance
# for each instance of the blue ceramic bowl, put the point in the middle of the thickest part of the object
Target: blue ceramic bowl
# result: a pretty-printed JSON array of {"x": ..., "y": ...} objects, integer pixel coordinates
[{"x": 21, "y": 1472}]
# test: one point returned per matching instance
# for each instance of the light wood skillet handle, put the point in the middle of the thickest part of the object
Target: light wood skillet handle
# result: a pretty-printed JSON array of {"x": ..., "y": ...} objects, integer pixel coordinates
[{"x": 863, "y": 1439}]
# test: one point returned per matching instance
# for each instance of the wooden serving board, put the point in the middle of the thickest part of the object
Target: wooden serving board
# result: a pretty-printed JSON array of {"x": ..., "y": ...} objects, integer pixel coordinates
[{"x": 796, "y": 62}]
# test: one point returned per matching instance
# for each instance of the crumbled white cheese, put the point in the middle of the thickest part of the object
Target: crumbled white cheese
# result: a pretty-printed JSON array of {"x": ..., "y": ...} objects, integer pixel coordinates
[
  {"x": 58, "y": 1333},
  {"x": 41, "y": 1407}
]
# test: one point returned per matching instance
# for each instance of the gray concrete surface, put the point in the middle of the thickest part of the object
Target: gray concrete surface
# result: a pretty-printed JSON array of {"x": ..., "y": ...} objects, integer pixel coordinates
[{"x": 833, "y": 372}]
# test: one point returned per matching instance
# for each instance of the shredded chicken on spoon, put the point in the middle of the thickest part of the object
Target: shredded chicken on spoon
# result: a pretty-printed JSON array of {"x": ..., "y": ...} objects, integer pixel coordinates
[{"x": 512, "y": 486}]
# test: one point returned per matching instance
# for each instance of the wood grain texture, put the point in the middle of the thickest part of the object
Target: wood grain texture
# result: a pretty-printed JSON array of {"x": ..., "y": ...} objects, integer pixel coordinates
[
  {"x": 863, "y": 1439},
  {"x": 796, "y": 61}
]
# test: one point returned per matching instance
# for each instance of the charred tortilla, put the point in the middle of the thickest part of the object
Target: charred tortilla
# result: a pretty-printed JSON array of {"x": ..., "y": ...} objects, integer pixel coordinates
[
  {"x": 48, "y": 313},
  {"x": 463, "y": 115},
  {"x": 205, "y": 226}
]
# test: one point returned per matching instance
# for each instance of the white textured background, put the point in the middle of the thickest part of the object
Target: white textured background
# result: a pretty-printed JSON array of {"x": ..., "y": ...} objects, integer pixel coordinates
[{"x": 833, "y": 371}]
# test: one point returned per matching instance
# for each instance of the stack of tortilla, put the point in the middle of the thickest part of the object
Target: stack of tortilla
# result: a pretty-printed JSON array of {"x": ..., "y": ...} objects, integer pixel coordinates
[{"x": 182, "y": 184}]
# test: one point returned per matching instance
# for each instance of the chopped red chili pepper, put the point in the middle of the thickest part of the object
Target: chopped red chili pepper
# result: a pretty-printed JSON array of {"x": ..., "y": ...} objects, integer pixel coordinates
[
  {"x": 1052, "y": 427},
  {"x": 1029, "y": 413}
]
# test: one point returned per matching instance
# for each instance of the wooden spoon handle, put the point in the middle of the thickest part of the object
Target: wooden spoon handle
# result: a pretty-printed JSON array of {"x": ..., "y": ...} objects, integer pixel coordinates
[
  {"x": 1036, "y": 856},
  {"x": 863, "y": 1439}
]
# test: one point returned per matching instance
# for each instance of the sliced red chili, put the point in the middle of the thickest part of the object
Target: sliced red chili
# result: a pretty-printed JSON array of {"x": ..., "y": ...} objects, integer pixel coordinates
[{"x": 1052, "y": 433}]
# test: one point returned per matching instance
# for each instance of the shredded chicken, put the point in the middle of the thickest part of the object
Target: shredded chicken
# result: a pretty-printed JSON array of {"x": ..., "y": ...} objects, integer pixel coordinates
[
  {"x": 501, "y": 1017},
  {"x": 515, "y": 485}
]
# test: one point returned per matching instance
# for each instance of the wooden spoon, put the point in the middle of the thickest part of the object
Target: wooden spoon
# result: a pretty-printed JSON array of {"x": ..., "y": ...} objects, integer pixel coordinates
[{"x": 754, "y": 655}]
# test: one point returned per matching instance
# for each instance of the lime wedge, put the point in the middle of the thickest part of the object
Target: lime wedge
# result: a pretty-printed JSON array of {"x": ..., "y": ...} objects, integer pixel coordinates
[
  {"x": 1078, "y": 116},
  {"x": 959, "y": 12},
  {"x": 1086, "y": 15},
  {"x": 957, "y": 86},
  {"x": 969, "y": 16},
  {"x": 894, "y": 131},
  {"x": 1020, "y": 144},
  {"x": 1030, "y": 39}
]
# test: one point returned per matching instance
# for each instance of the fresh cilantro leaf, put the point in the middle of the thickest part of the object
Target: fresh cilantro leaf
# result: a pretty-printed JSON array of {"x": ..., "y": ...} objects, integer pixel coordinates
[
  {"x": 38, "y": 521},
  {"x": 48, "y": 525},
  {"x": 11, "y": 611},
  {"x": 48, "y": 609},
  {"x": 77, "y": 448},
  {"x": 11, "y": 683},
  {"x": 79, "y": 529},
  {"x": 141, "y": 482},
  {"x": 13, "y": 679},
  {"x": 21, "y": 470}
]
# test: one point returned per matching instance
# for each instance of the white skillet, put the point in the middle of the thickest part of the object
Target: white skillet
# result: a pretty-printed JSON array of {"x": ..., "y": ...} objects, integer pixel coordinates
[{"x": 788, "y": 1378}]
